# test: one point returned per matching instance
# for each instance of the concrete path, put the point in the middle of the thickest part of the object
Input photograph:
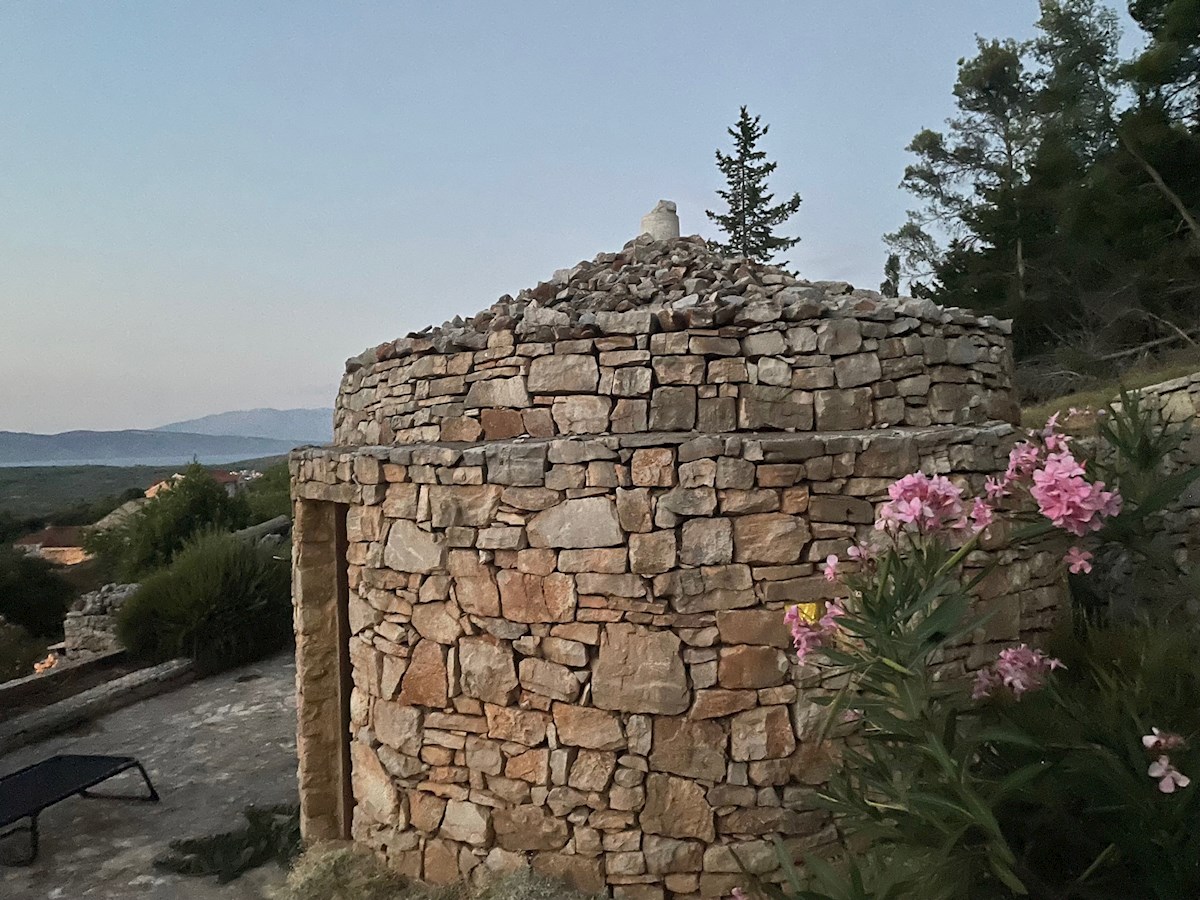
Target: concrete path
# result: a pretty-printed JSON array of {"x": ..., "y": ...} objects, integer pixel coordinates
[{"x": 212, "y": 748}]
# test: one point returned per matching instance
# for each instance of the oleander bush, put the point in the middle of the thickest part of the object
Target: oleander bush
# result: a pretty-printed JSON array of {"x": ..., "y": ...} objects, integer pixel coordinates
[{"x": 1057, "y": 773}]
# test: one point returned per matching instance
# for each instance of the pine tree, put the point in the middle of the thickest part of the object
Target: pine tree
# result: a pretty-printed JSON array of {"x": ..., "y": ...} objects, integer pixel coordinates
[
  {"x": 890, "y": 286},
  {"x": 751, "y": 221}
]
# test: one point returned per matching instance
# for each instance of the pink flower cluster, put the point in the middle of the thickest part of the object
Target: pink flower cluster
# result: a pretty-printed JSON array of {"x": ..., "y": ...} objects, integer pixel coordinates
[
  {"x": 924, "y": 502},
  {"x": 1068, "y": 499},
  {"x": 808, "y": 636},
  {"x": 1169, "y": 777},
  {"x": 1019, "y": 669},
  {"x": 1058, "y": 484},
  {"x": 930, "y": 504}
]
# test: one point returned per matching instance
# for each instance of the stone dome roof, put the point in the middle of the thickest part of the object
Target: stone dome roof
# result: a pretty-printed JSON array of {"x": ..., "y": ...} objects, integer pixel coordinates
[
  {"x": 669, "y": 335},
  {"x": 669, "y": 285}
]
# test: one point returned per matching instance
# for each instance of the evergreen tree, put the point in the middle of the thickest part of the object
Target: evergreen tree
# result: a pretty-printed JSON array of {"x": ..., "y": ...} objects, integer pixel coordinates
[
  {"x": 751, "y": 220},
  {"x": 890, "y": 286}
]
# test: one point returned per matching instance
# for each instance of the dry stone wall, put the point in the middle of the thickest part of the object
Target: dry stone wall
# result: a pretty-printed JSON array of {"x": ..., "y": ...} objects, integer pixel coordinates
[
  {"x": 572, "y": 651},
  {"x": 90, "y": 626},
  {"x": 573, "y": 524},
  {"x": 669, "y": 336},
  {"x": 1177, "y": 402}
]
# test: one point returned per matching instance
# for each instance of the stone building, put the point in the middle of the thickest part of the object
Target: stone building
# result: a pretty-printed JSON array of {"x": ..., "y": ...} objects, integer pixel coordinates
[{"x": 540, "y": 576}]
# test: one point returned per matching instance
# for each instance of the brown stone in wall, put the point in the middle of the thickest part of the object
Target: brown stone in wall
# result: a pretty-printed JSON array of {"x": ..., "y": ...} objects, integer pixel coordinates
[
  {"x": 487, "y": 671},
  {"x": 638, "y": 670},
  {"x": 676, "y": 807},
  {"x": 536, "y": 598},
  {"x": 425, "y": 681}
]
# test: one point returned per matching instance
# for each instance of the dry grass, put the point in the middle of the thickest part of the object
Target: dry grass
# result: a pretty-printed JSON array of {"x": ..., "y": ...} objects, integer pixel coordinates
[
  {"x": 346, "y": 872},
  {"x": 1104, "y": 391}
]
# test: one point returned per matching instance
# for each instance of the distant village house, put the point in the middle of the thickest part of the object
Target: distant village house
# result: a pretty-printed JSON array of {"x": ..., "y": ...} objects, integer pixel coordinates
[
  {"x": 233, "y": 482},
  {"x": 58, "y": 544}
]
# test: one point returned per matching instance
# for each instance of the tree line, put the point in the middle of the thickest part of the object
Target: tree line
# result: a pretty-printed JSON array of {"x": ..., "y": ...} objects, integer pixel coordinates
[{"x": 1062, "y": 193}]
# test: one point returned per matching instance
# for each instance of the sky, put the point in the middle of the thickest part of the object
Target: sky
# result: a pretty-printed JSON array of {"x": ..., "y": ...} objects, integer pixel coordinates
[{"x": 209, "y": 206}]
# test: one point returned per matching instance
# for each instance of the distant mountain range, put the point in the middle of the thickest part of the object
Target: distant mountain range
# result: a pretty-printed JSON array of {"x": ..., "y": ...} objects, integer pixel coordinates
[
  {"x": 221, "y": 438},
  {"x": 306, "y": 426}
]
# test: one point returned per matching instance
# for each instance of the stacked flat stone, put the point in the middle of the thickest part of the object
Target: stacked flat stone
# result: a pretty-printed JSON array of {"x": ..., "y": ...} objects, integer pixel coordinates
[
  {"x": 670, "y": 336},
  {"x": 570, "y": 549},
  {"x": 90, "y": 626},
  {"x": 1177, "y": 403}
]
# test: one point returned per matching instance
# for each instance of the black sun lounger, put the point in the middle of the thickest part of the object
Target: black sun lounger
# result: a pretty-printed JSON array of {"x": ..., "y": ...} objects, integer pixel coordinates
[{"x": 27, "y": 792}]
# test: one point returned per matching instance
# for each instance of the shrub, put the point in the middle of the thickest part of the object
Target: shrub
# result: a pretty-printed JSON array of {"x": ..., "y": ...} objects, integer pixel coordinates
[
  {"x": 222, "y": 602},
  {"x": 1042, "y": 776},
  {"x": 270, "y": 496},
  {"x": 18, "y": 651},
  {"x": 158, "y": 531},
  {"x": 32, "y": 594}
]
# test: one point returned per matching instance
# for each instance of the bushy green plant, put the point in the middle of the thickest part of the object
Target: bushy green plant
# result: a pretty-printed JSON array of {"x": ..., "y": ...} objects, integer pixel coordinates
[
  {"x": 1137, "y": 451},
  {"x": 32, "y": 594},
  {"x": 1047, "y": 777},
  {"x": 1095, "y": 824},
  {"x": 159, "y": 530},
  {"x": 18, "y": 651},
  {"x": 270, "y": 496},
  {"x": 222, "y": 602}
]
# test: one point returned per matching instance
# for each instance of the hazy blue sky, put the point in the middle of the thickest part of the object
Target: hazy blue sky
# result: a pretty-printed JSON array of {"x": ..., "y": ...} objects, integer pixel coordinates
[{"x": 210, "y": 205}]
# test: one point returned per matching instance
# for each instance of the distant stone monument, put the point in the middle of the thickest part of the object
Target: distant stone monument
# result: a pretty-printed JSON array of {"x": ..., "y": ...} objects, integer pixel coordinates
[{"x": 662, "y": 222}]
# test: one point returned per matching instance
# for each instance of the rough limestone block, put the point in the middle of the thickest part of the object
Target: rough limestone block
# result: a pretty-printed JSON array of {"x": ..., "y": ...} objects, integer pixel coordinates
[{"x": 640, "y": 671}]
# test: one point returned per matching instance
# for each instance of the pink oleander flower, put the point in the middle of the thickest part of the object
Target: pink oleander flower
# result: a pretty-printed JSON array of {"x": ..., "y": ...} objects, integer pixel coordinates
[
  {"x": 995, "y": 488},
  {"x": 1078, "y": 561},
  {"x": 1068, "y": 499},
  {"x": 860, "y": 552},
  {"x": 831, "y": 567},
  {"x": 1169, "y": 777},
  {"x": 1022, "y": 460},
  {"x": 1019, "y": 669},
  {"x": 1162, "y": 740},
  {"x": 807, "y": 635},
  {"x": 982, "y": 515},
  {"x": 928, "y": 504}
]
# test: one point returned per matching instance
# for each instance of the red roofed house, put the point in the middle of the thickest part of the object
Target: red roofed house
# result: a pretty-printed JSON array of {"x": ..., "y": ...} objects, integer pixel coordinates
[{"x": 59, "y": 544}]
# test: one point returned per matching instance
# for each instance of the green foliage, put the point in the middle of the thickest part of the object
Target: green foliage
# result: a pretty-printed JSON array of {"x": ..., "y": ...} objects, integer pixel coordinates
[
  {"x": 270, "y": 496},
  {"x": 152, "y": 537},
  {"x": 32, "y": 594},
  {"x": 222, "y": 602},
  {"x": 1137, "y": 574},
  {"x": 18, "y": 651},
  {"x": 751, "y": 220},
  {"x": 1095, "y": 825},
  {"x": 1061, "y": 193},
  {"x": 271, "y": 834}
]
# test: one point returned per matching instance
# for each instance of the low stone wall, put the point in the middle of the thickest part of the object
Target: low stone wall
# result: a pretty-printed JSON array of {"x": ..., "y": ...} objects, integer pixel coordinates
[
  {"x": 673, "y": 337},
  {"x": 1178, "y": 402},
  {"x": 90, "y": 626},
  {"x": 573, "y": 650}
]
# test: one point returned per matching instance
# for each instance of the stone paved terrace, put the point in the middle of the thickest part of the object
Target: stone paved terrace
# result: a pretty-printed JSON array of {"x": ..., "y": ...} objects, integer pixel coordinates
[{"x": 211, "y": 748}]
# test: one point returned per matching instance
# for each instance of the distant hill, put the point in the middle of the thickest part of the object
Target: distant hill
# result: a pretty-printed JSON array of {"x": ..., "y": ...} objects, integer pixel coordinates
[
  {"x": 128, "y": 448},
  {"x": 302, "y": 426}
]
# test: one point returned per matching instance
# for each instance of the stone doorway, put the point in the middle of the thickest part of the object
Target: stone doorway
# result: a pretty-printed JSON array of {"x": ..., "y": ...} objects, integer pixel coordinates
[{"x": 320, "y": 597}]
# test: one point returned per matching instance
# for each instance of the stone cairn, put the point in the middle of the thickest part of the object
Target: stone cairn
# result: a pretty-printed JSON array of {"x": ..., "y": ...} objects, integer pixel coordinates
[
  {"x": 90, "y": 627},
  {"x": 574, "y": 523}
]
